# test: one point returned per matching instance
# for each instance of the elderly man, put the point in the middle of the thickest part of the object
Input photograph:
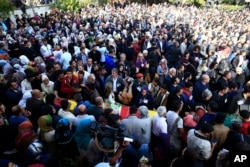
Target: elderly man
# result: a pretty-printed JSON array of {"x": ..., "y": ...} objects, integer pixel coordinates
[
  {"x": 200, "y": 86},
  {"x": 147, "y": 122},
  {"x": 82, "y": 110}
]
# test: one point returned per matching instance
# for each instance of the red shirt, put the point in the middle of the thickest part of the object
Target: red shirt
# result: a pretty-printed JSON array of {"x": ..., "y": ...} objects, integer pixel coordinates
[{"x": 244, "y": 127}]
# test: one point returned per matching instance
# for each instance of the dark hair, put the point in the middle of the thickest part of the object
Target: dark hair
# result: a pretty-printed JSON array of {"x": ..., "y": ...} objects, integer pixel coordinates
[
  {"x": 176, "y": 105},
  {"x": 212, "y": 65},
  {"x": 107, "y": 111},
  {"x": 50, "y": 98},
  {"x": 244, "y": 114},
  {"x": 187, "y": 75},
  {"x": 64, "y": 104},
  {"x": 213, "y": 105},
  {"x": 206, "y": 128},
  {"x": 47, "y": 109},
  {"x": 112, "y": 120},
  {"x": 189, "y": 84},
  {"x": 133, "y": 109},
  {"x": 220, "y": 117},
  {"x": 246, "y": 89},
  {"x": 233, "y": 85}
]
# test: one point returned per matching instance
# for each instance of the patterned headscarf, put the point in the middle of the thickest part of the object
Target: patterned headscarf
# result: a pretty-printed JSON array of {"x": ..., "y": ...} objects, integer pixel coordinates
[{"x": 45, "y": 125}]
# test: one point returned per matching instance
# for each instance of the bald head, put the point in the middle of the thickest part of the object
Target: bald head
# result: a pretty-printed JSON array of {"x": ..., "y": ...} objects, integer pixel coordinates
[
  {"x": 36, "y": 93},
  {"x": 82, "y": 109}
]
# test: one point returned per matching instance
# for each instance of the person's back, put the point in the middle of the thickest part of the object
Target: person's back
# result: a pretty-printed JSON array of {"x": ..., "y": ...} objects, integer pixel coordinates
[
  {"x": 132, "y": 154},
  {"x": 133, "y": 124}
]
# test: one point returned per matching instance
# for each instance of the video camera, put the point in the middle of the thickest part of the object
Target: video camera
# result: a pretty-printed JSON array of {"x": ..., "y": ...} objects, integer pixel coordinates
[{"x": 106, "y": 136}]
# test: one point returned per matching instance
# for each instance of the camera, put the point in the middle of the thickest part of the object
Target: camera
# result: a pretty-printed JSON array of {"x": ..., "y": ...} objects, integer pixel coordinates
[{"x": 106, "y": 136}]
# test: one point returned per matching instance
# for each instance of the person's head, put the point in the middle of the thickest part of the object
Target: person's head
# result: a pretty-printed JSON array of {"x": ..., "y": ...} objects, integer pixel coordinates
[
  {"x": 99, "y": 101},
  {"x": 114, "y": 72},
  {"x": 132, "y": 110},
  {"x": 122, "y": 57},
  {"x": 189, "y": 86},
  {"x": 162, "y": 111},
  {"x": 188, "y": 76},
  {"x": 233, "y": 86},
  {"x": 144, "y": 90},
  {"x": 72, "y": 63},
  {"x": 143, "y": 111},
  {"x": 139, "y": 77},
  {"x": 108, "y": 86},
  {"x": 140, "y": 56},
  {"x": 177, "y": 105},
  {"x": 246, "y": 91},
  {"x": 57, "y": 66},
  {"x": 175, "y": 80},
  {"x": 220, "y": 118},
  {"x": 78, "y": 97},
  {"x": 101, "y": 70},
  {"x": 223, "y": 89},
  {"x": 163, "y": 88},
  {"x": 172, "y": 72},
  {"x": 45, "y": 79},
  {"x": 213, "y": 106},
  {"x": 89, "y": 61},
  {"x": 113, "y": 120},
  {"x": 50, "y": 98},
  {"x": 65, "y": 104},
  {"x": 205, "y": 78},
  {"x": 227, "y": 75},
  {"x": 17, "y": 110},
  {"x": 145, "y": 53},
  {"x": 236, "y": 126},
  {"x": 2, "y": 108},
  {"x": 82, "y": 109},
  {"x": 91, "y": 78},
  {"x": 36, "y": 93},
  {"x": 178, "y": 90},
  {"x": 13, "y": 85},
  {"x": 206, "y": 95},
  {"x": 206, "y": 128},
  {"x": 244, "y": 114},
  {"x": 69, "y": 73}
]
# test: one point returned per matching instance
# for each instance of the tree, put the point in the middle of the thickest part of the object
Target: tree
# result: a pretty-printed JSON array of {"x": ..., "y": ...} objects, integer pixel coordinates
[{"x": 5, "y": 8}]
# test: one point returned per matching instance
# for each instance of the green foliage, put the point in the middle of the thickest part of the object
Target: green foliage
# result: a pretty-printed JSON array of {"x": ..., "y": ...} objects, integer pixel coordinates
[
  {"x": 5, "y": 8},
  {"x": 197, "y": 3},
  {"x": 67, "y": 5},
  {"x": 228, "y": 8}
]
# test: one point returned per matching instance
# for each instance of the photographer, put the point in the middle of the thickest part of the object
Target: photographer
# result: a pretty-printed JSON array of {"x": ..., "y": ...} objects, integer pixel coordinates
[{"x": 108, "y": 141}]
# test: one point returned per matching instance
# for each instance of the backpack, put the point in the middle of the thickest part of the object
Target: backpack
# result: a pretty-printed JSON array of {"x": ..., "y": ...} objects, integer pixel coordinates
[{"x": 174, "y": 134}]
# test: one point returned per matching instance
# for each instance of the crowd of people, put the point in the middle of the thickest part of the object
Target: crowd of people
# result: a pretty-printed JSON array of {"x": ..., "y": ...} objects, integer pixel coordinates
[{"x": 63, "y": 72}]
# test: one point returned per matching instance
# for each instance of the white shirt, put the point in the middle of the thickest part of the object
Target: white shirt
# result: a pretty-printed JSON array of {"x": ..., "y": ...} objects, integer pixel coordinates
[
  {"x": 159, "y": 125},
  {"x": 102, "y": 50},
  {"x": 25, "y": 85},
  {"x": 89, "y": 68},
  {"x": 114, "y": 84},
  {"x": 65, "y": 59},
  {"x": 77, "y": 50},
  {"x": 66, "y": 114},
  {"x": 46, "y": 50},
  {"x": 49, "y": 88},
  {"x": 201, "y": 146},
  {"x": 57, "y": 54},
  {"x": 171, "y": 117}
]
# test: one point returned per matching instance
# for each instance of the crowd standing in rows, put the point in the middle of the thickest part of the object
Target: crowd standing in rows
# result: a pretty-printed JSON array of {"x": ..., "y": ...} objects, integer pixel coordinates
[{"x": 188, "y": 64}]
